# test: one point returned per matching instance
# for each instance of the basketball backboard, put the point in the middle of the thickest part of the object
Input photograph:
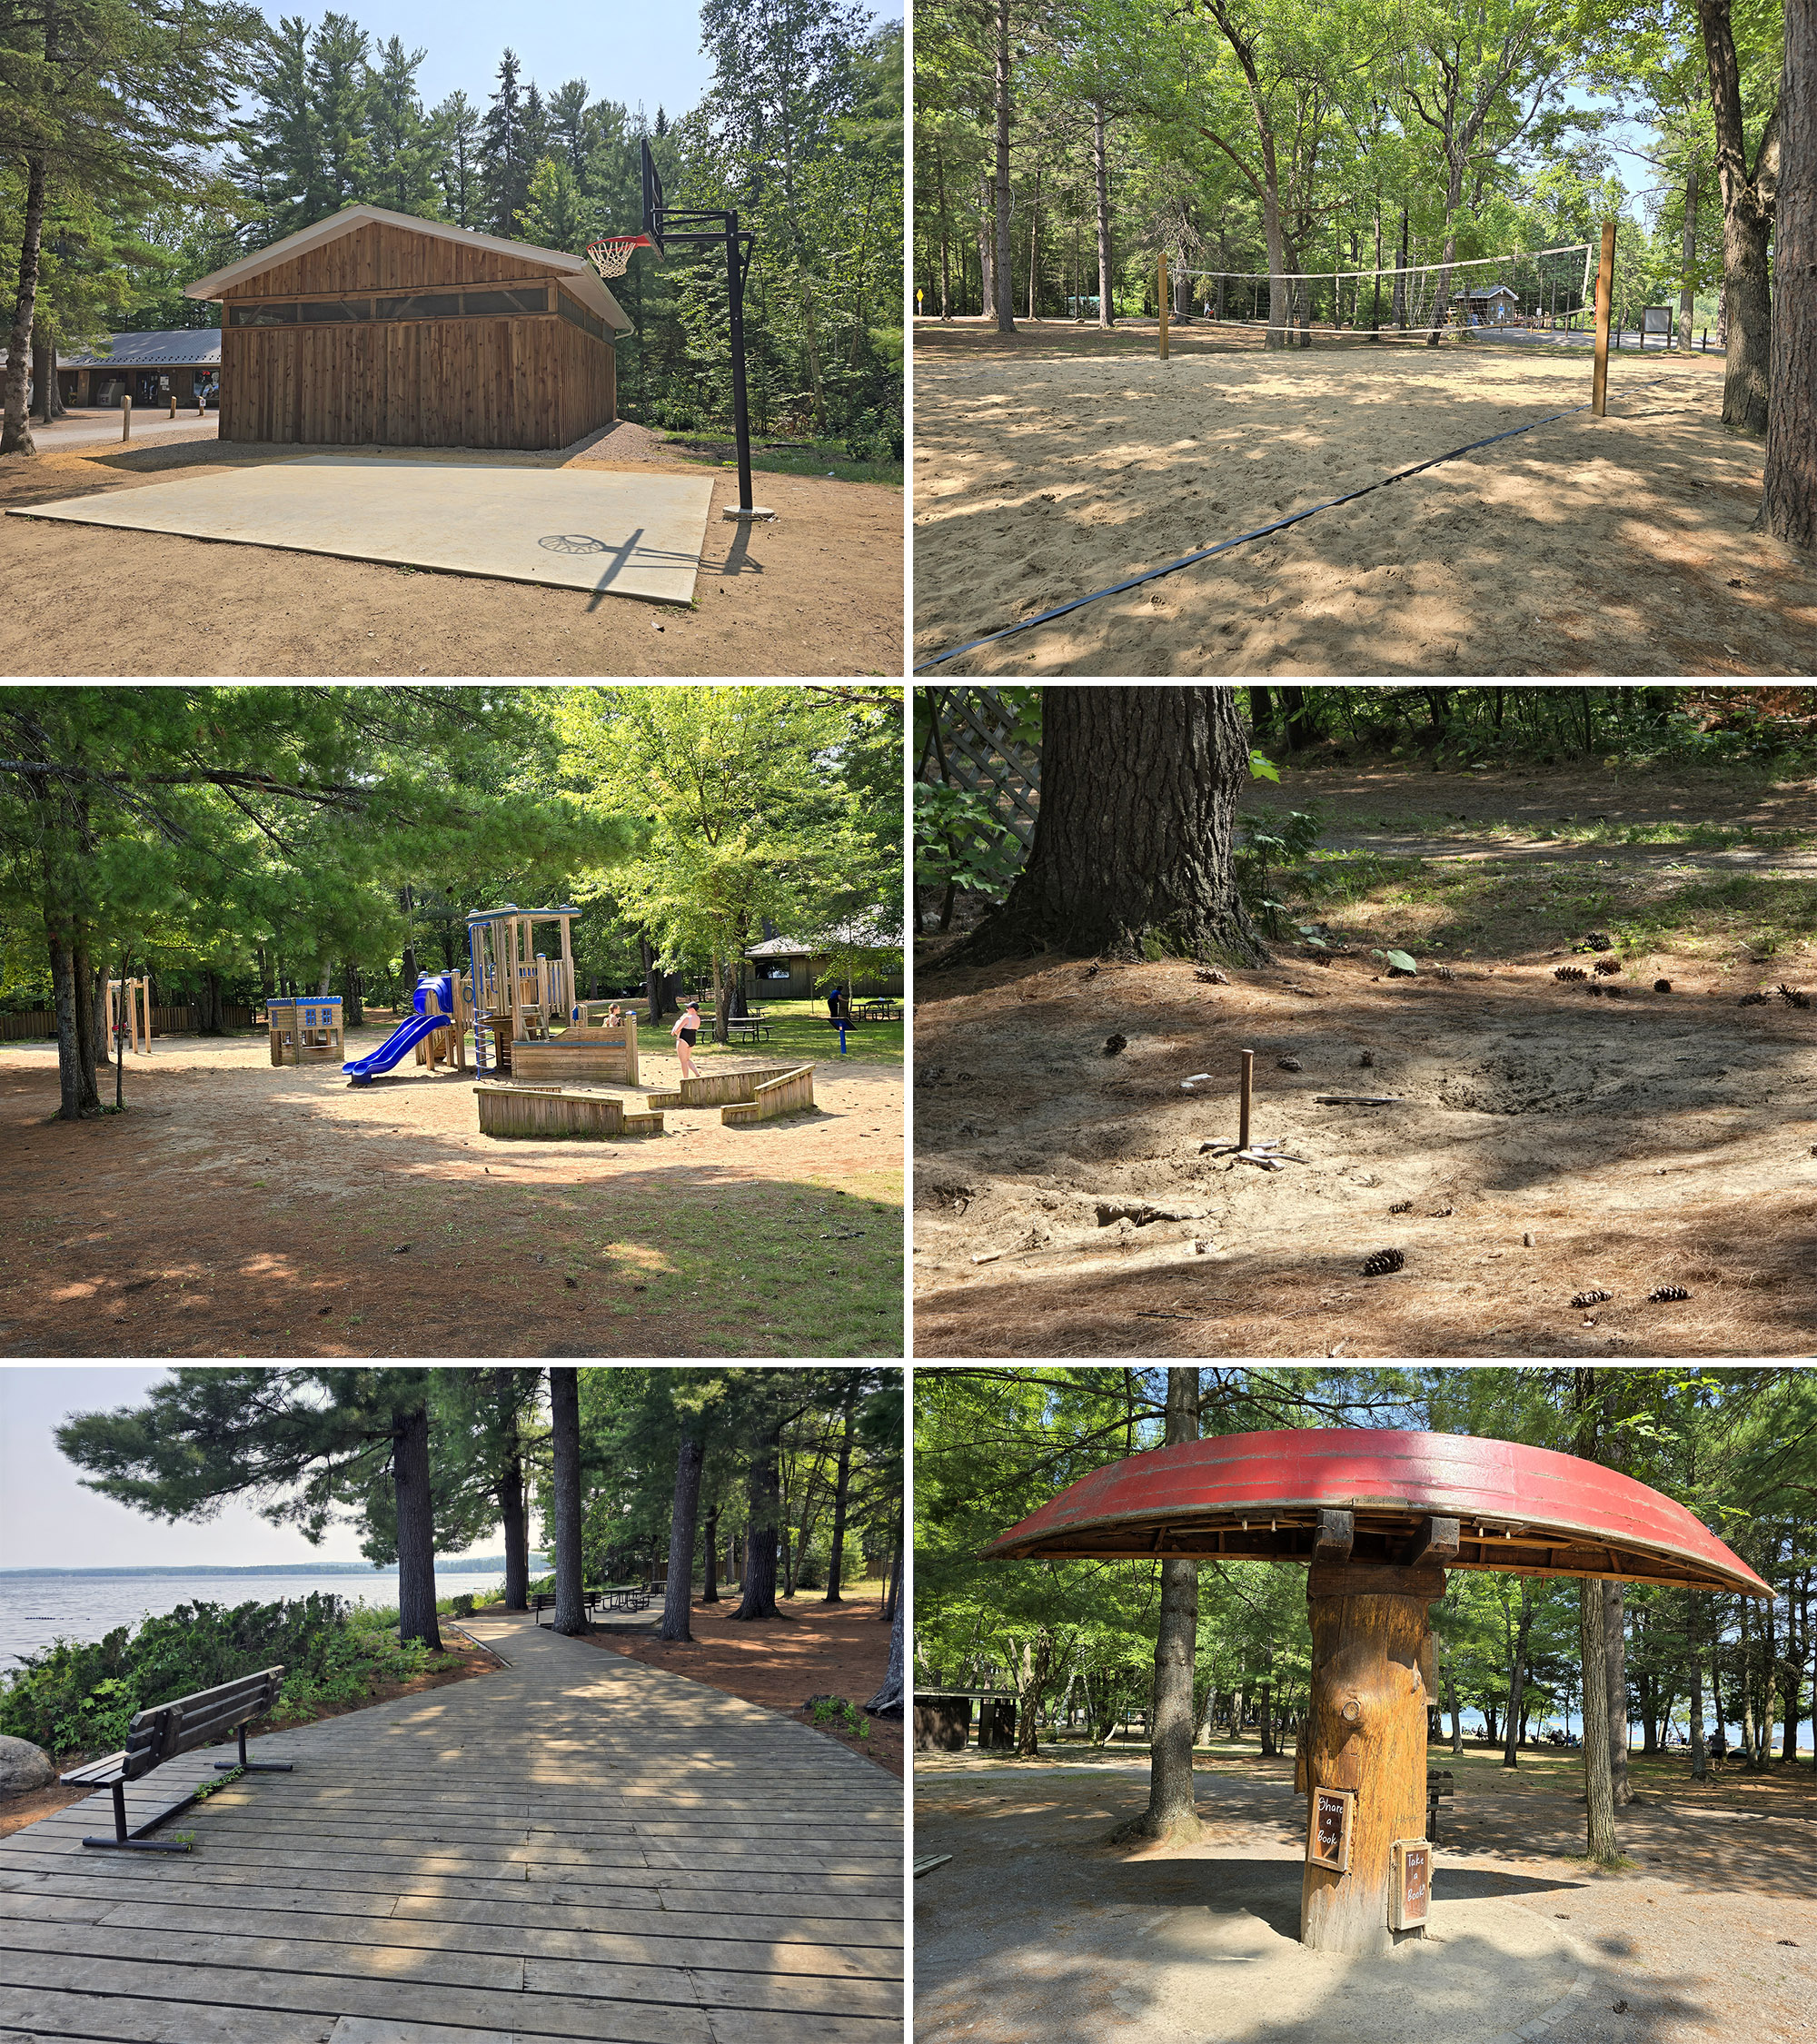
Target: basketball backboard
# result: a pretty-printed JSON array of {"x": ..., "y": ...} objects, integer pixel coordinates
[{"x": 652, "y": 198}]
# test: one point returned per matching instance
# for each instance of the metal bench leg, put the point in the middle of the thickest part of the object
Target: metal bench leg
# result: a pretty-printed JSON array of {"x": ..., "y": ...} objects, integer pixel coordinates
[
  {"x": 121, "y": 1842},
  {"x": 253, "y": 1766}
]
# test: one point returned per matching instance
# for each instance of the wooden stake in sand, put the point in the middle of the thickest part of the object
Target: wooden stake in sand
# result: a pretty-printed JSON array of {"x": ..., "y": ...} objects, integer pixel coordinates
[
  {"x": 1268, "y": 1155},
  {"x": 1605, "y": 292}
]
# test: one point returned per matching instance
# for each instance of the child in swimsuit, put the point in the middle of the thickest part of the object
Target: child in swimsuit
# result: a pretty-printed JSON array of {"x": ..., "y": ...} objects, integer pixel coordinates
[{"x": 687, "y": 1034}]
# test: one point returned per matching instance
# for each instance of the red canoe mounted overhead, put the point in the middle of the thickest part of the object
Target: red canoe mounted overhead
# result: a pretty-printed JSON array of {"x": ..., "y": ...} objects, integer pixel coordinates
[{"x": 1527, "y": 1510}]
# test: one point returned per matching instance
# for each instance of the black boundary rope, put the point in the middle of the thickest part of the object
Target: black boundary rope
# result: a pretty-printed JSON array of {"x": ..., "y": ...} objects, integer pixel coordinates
[{"x": 1261, "y": 532}]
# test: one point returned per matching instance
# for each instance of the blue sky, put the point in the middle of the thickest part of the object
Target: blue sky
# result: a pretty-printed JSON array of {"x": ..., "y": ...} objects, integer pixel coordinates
[{"x": 645, "y": 51}]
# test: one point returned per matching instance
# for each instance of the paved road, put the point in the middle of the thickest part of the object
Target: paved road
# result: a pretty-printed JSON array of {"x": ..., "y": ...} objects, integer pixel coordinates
[
  {"x": 577, "y": 1847},
  {"x": 82, "y": 429}
]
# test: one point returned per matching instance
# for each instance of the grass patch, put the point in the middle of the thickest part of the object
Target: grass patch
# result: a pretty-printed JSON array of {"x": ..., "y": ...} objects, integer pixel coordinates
[
  {"x": 826, "y": 459},
  {"x": 800, "y": 1029}
]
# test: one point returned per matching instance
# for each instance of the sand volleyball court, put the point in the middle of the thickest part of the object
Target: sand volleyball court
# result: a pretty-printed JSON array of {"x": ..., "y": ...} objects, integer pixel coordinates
[{"x": 1617, "y": 546}]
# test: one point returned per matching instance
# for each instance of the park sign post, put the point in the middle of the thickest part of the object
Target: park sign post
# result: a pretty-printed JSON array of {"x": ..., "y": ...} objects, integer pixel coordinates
[{"x": 1377, "y": 1517}]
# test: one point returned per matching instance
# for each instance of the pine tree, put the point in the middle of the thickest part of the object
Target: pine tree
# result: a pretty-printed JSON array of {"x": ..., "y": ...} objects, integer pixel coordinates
[
  {"x": 567, "y": 122},
  {"x": 340, "y": 97},
  {"x": 506, "y": 170},
  {"x": 276, "y": 168},
  {"x": 455, "y": 127},
  {"x": 555, "y": 214},
  {"x": 402, "y": 148}
]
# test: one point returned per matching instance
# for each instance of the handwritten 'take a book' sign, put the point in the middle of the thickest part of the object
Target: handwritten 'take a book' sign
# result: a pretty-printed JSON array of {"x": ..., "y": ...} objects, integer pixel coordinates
[
  {"x": 1410, "y": 1891},
  {"x": 1328, "y": 1829}
]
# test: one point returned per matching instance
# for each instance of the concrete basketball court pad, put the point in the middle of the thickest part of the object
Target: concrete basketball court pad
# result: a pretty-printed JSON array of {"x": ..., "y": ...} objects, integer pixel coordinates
[{"x": 598, "y": 530}]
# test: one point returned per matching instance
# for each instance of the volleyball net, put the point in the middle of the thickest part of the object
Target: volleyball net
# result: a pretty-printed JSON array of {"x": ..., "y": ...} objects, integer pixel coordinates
[{"x": 1538, "y": 294}]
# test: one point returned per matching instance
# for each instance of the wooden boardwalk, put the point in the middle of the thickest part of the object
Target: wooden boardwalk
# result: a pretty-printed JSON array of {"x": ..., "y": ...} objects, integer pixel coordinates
[{"x": 578, "y": 1847}]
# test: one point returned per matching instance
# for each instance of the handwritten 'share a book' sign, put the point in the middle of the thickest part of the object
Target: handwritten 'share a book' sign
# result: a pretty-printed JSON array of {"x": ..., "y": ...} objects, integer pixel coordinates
[{"x": 1329, "y": 1830}]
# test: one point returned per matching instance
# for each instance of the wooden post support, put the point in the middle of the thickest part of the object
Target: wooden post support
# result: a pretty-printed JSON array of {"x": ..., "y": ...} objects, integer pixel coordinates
[
  {"x": 1605, "y": 292},
  {"x": 1366, "y": 1734},
  {"x": 1243, "y": 1105},
  {"x": 126, "y": 418},
  {"x": 1163, "y": 305},
  {"x": 173, "y": 397}
]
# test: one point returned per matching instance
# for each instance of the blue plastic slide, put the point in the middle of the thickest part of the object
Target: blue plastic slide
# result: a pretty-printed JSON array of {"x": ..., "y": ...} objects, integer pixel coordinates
[{"x": 362, "y": 1071}]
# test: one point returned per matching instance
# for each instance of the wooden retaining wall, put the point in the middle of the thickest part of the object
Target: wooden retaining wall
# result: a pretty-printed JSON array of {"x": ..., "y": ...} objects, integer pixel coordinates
[
  {"x": 786, "y": 1095},
  {"x": 554, "y": 1113},
  {"x": 582, "y": 1054},
  {"x": 720, "y": 1090}
]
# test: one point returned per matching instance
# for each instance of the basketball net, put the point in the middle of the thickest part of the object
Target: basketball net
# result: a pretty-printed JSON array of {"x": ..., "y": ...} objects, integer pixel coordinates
[{"x": 610, "y": 254}]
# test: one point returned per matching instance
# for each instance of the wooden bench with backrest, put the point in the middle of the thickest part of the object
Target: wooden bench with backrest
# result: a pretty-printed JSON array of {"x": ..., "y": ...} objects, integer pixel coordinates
[
  {"x": 166, "y": 1729},
  {"x": 1438, "y": 1785}
]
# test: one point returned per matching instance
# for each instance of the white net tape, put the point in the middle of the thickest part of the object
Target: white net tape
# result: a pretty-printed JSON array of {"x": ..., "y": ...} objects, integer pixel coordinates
[
  {"x": 1538, "y": 290},
  {"x": 612, "y": 257}
]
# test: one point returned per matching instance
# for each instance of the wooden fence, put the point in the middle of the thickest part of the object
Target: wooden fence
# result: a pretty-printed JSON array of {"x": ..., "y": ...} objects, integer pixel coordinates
[
  {"x": 33, "y": 1022},
  {"x": 788, "y": 1094}
]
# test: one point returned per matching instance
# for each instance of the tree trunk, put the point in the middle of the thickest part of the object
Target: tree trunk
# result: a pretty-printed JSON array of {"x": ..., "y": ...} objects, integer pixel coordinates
[
  {"x": 1747, "y": 223},
  {"x": 1171, "y": 1813},
  {"x": 709, "y": 1594},
  {"x": 45, "y": 388},
  {"x": 1132, "y": 851},
  {"x": 16, "y": 431},
  {"x": 892, "y": 1589},
  {"x": 1700, "y": 1761},
  {"x": 842, "y": 1490},
  {"x": 78, "y": 1082},
  {"x": 1687, "y": 280},
  {"x": 415, "y": 1528},
  {"x": 353, "y": 1002},
  {"x": 1006, "y": 279},
  {"x": 1615, "y": 1659},
  {"x": 688, "y": 1461},
  {"x": 1511, "y": 1742},
  {"x": 887, "y": 1702},
  {"x": 760, "y": 1552},
  {"x": 1101, "y": 158},
  {"x": 1366, "y": 1732},
  {"x": 1789, "y": 507},
  {"x": 1456, "y": 1721},
  {"x": 1598, "y": 1786},
  {"x": 512, "y": 1513},
  {"x": 564, "y": 1440},
  {"x": 655, "y": 983}
]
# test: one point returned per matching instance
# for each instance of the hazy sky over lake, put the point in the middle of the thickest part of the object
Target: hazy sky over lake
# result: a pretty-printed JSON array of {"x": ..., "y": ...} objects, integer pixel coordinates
[{"x": 48, "y": 1520}]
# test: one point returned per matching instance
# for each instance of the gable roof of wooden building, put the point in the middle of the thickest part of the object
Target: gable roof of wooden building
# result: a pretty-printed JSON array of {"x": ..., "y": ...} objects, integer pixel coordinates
[{"x": 577, "y": 273}]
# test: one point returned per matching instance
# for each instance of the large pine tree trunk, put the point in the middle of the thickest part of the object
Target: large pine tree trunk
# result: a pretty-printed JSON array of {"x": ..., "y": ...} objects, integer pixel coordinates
[
  {"x": 1100, "y": 159},
  {"x": 1747, "y": 222},
  {"x": 1598, "y": 1784},
  {"x": 46, "y": 389},
  {"x": 841, "y": 1489},
  {"x": 887, "y": 1702},
  {"x": 16, "y": 431},
  {"x": 1005, "y": 270},
  {"x": 709, "y": 1594},
  {"x": 1700, "y": 1760},
  {"x": 512, "y": 1515},
  {"x": 677, "y": 1602},
  {"x": 1132, "y": 851},
  {"x": 1687, "y": 281},
  {"x": 1615, "y": 1659},
  {"x": 1172, "y": 1813},
  {"x": 759, "y": 1600},
  {"x": 415, "y": 1528},
  {"x": 564, "y": 1422},
  {"x": 1789, "y": 508}
]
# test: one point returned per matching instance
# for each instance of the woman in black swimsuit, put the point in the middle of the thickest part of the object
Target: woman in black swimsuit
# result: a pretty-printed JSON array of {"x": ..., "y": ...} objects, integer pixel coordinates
[{"x": 687, "y": 1034}]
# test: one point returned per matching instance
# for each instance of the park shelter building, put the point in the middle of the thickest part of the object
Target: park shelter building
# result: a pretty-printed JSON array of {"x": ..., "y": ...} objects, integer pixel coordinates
[
  {"x": 787, "y": 969},
  {"x": 148, "y": 368},
  {"x": 377, "y": 329}
]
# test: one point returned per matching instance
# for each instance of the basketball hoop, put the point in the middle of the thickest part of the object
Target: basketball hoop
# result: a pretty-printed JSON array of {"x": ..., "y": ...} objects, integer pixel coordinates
[{"x": 610, "y": 255}]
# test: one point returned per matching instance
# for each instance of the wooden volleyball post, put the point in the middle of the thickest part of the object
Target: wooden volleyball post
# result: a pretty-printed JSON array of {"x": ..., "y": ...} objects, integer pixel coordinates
[
  {"x": 1605, "y": 292},
  {"x": 1378, "y": 1518},
  {"x": 1269, "y": 1156},
  {"x": 1163, "y": 305}
]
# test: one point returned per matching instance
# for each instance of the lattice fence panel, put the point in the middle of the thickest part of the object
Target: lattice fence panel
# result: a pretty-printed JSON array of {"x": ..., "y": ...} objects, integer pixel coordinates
[{"x": 984, "y": 756}]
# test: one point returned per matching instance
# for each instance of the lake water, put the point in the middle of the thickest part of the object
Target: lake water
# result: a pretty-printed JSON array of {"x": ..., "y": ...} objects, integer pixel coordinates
[{"x": 37, "y": 1609}]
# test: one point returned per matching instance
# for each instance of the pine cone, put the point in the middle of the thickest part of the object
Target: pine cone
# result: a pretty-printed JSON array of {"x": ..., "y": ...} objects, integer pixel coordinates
[
  {"x": 1753, "y": 1000},
  {"x": 1666, "y": 1294},
  {"x": 1606, "y": 965},
  {"x": 1596, "y": 987},
  {"x": 1567, "y": 972},
  {"x": 1402, "y": 1206},
  {"x": 1366, "y": 1062},
  {"x": 1288, "y": 1065},
  {"x": 1444, "y": 972},
  {"x": 1383, "y": 1262},
  {"x": 1791, "y": 994},
  {"x": 1590, "y": 1298},
  {"x": 1662, "y": 985},
  {"x": 1211, "y": 977},
  {"x": 1598, "y": 941},
  {"x": 1113, "y": 1044}
]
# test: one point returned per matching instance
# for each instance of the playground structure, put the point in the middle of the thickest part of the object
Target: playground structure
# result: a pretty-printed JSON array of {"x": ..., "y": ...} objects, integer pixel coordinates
[
  {"x": 430, "y": 1029},
  {"x": 129, "y": 1012},
  {"x": 524, "y": 1015},
  {"x": 757, "y": 1092},
  {"x": 556, "y": 1112},
  {"x": 1378, "y": 1516},
  {"x": 306, "y": 1032}
]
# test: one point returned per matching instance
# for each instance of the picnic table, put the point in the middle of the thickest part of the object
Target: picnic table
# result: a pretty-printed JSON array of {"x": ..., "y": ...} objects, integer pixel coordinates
[
  {"x": 747, "y": 1028},
  {"x": 882, "y": 1009}
]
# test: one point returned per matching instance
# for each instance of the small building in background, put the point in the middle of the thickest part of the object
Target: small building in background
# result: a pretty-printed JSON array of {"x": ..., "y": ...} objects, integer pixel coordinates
[
  {"x": 148, "y": 368},
  {"x": 791, "y": 968},
  {"x": 1488, "y": 306},
  {"x": 378, "y": 329}
]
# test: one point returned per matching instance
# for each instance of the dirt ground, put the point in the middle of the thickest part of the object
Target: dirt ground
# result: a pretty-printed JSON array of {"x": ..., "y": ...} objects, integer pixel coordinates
[
  {"x": 17, "y": 1811},
  {"x": 812, "y": 1649},
  {"x": 1711, "y": 1932},
  {"x": 1617, "y": 546},
  {"x": 237, "y": 1209},
  {"x": 818, "y": 591},
  {"x": 1540, "y": 1142}
]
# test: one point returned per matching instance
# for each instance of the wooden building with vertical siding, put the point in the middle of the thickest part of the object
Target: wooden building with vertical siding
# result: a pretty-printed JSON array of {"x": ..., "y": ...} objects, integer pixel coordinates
[{"x": 377, "y": 329}]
